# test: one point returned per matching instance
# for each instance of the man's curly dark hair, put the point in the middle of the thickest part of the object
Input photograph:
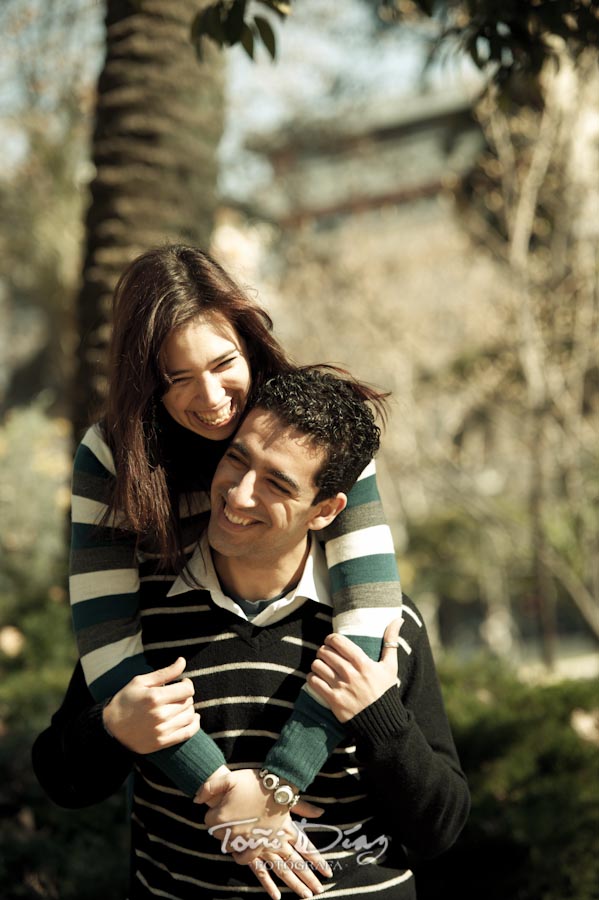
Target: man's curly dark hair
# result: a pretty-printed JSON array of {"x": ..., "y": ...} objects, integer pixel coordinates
[{"x": 333, "y": 409}]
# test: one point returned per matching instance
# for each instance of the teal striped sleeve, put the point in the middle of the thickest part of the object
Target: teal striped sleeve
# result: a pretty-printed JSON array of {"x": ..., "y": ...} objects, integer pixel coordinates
[
  {"x": 366, "y": 595},
  {"x": 104, "y": 594}
]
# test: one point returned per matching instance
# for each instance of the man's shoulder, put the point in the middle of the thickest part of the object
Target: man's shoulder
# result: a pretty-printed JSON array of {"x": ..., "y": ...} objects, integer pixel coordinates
[{"x": 413, "y": 626}]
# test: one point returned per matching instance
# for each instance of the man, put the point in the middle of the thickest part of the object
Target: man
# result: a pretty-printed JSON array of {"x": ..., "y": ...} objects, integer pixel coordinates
[{"x": 256, "y": 628}]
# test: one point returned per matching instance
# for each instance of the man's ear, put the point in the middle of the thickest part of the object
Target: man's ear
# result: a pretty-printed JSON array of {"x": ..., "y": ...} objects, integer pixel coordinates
[{"x": 326, "y": 511}]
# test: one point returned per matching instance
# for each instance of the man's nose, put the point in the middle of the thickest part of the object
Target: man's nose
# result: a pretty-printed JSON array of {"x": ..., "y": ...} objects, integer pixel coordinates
[{"x": 242, "y": 494}]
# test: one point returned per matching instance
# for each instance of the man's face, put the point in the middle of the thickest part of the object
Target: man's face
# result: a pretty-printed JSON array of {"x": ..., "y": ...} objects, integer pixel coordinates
[{"x": 263, "y": 490}]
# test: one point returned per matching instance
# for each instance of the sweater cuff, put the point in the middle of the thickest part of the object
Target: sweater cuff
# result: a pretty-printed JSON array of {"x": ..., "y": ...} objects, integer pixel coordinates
[
  {"x": 191, "y": 763},
  {"x": 306, "y": 741},
  {"x": 382, "y": 719}
]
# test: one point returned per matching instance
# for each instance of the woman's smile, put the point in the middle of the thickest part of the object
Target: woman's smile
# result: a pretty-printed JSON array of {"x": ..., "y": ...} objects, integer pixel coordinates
[{"x": 220, "y": 417}]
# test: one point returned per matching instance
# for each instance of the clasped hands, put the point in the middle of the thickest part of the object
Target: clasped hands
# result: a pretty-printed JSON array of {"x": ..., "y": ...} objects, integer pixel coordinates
[
  {"x": 348, "y": 681},
  {"x": 157, "y": 710},
  {"x": 261, "y": 834},
  {"x": 150, "y": 713}
]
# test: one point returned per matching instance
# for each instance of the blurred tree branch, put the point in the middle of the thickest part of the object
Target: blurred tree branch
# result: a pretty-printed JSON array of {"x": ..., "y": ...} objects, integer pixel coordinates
[
  {"x": 533, "y": 203},
  {"x": 511, "y": 39}
]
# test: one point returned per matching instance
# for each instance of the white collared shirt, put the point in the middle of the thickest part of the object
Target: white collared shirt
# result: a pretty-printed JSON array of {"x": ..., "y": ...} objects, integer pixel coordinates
[{"x": 313, "y": 585}]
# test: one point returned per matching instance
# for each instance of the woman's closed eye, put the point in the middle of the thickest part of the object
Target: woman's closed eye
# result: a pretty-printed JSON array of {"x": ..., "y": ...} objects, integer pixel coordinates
[
  {"x": 226, "y": 363},
  {"x": 219, "y": 367}
]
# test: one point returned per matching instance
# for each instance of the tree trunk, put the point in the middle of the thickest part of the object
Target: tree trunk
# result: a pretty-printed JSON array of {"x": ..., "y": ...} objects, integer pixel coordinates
[
  {"x": 158, "y": 123},
  {"x": 544, "y": 590}
]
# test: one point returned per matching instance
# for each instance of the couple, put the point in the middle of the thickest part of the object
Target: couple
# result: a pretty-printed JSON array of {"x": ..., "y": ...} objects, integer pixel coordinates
[{"x": 251, "y": 612}]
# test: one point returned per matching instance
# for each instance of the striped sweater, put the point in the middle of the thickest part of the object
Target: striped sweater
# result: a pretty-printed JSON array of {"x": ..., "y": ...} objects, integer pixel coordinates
[
  {"x": 392, "y": 786},
  {"x": 108, "y": 565}
]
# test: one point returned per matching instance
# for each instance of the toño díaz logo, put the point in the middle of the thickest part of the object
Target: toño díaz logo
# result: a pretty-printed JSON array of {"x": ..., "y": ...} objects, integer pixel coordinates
[{"x": 368, "y": 850}]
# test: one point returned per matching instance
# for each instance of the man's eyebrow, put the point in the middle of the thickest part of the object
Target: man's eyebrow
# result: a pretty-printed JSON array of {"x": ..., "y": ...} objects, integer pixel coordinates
[
  {"x": 281, "y": 476},
  {"x": 241, "y": 448},
  {"x": 213, "y": 362}
]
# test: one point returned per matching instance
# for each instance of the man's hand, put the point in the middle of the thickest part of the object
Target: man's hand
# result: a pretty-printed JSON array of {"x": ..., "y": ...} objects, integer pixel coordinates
[
  {"x": 347, "y": 679},
  {"x": 258, "y": 832},
  {"x": 153, "y": 711}
]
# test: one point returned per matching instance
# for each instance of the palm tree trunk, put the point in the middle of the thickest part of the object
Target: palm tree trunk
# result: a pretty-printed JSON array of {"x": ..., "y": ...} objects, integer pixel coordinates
[{"x": 158, "y": 123}]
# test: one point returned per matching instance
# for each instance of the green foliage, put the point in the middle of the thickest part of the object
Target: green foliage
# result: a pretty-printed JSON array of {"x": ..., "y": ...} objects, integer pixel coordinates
[
  {"x": 49, "y": 852},
  {"x": 36, "y": 642},
  {"x": 44, "y": 851},
  {"x": 226, "y": 24},
  {"x": 508, "y": 39},
  {"x": 533, "y": 832},
  {"x": 440, "y": 553},
  {"x": 34, "y": 500}
]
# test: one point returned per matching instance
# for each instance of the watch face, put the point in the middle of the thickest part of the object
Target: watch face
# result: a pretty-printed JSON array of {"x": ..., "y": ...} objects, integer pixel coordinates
[
  {"x": 283, "y": 795},
  {"x": 270, "y": 781}
]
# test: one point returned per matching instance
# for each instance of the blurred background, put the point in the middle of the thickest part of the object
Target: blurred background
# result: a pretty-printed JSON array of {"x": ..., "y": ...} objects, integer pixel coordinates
[{"x": 414, "y": 196}]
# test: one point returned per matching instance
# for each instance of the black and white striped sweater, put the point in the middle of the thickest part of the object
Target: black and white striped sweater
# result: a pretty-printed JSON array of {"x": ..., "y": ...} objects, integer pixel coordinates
[{"x": 395, "y": 785}]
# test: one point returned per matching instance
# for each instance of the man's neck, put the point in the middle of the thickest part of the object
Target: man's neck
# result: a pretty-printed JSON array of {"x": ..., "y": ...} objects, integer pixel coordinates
[{"x": 254, "y": 579}]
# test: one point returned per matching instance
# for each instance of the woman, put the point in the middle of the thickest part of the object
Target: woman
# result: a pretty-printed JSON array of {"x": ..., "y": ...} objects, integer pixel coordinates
[{"x": 187, "y": 345}]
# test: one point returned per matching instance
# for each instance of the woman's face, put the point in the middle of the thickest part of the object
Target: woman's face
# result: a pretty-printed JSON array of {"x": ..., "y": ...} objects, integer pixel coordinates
[{"x": 207, "y": 366}]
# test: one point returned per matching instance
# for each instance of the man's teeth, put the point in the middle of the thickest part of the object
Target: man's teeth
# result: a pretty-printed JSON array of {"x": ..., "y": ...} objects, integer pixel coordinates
[
  {"x": 222, "y": 416},
  {"x": 235, "y": 520}
]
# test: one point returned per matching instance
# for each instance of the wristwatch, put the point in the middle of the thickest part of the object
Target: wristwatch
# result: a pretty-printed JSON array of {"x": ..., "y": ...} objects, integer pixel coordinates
[{"x": 283, "y": 794}]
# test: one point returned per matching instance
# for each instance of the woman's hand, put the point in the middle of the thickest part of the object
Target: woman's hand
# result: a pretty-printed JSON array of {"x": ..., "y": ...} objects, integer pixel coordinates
[
  {"x": 258, "y": 832},
  {"x": 291, "y": 860},
  {"x": 347, "y": 679},
  {"x": 153, "y": 711}
]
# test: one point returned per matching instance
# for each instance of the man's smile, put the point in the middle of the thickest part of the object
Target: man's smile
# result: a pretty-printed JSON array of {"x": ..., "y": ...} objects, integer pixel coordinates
[{"x": 234, "y": 519}]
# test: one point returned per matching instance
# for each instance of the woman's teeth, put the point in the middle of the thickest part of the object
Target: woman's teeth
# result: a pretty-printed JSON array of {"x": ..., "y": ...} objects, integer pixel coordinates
[{"x": 219, "y": 418}]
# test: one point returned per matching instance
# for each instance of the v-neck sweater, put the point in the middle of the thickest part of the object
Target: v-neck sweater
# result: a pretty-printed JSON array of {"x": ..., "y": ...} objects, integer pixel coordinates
[{"x": 393, "y": 785}]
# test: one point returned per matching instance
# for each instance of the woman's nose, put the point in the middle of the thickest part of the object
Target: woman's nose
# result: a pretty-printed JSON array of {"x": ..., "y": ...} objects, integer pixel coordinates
[{"x": 209, "y": 392}]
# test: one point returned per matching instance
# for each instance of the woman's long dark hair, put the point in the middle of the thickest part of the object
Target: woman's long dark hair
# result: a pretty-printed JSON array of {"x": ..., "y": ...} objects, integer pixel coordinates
[{"x": 161, "y": 290}]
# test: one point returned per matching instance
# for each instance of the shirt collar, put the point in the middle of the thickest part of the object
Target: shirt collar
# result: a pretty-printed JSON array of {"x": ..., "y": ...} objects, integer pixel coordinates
[{"x": 313, "y": 585}]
